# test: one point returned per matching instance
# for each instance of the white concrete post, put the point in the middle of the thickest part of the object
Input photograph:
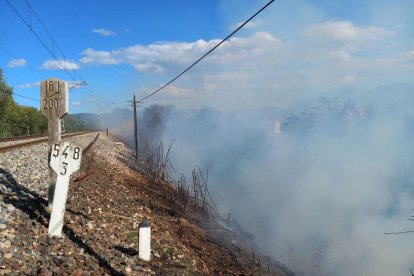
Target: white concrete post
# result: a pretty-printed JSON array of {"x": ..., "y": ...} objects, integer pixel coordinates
[
  {"x": 65, "y": 159},
  {"x": 144, "y": 244}
]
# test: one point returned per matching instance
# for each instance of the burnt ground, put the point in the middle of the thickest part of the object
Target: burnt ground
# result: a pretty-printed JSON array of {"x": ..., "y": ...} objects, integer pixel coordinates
[{"x": 102, "y": 216}]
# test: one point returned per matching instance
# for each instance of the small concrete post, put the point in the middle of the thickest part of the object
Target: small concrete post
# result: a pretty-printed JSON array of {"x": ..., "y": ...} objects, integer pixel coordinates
[{"x": 144, "y": 243}]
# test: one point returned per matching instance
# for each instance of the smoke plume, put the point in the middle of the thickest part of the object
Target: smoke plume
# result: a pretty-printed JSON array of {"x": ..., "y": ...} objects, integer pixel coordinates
[{"x": 318, "y": 183}]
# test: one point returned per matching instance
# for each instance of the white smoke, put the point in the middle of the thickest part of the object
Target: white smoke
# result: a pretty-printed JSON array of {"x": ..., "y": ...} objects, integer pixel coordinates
[{"x": 318, "y": 188}]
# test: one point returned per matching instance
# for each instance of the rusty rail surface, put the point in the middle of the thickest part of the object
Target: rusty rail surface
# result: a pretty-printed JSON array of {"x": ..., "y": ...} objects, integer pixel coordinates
[
  {"x": 85, "y": 150},
  {"x": 84, "y": 175},
  {"x": 22, "y": 145}
]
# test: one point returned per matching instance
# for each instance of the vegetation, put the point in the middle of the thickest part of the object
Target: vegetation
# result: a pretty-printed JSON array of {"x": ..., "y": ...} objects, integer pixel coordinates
[
  {"x": 81, "y": 122},
  {"x": 16, "y": 120}
]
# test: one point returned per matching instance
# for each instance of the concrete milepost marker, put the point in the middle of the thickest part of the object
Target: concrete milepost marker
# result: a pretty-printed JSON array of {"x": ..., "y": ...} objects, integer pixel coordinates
[
  {"x": 65, "y": 159},
  {"x": 54, "y": 105}
]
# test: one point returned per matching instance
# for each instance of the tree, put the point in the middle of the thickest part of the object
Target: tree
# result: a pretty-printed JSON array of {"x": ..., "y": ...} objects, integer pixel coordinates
[{"x": 16, "y": 120}]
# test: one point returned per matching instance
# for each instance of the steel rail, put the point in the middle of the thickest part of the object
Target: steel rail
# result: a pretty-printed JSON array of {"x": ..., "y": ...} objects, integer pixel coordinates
[
  {"x": 24, "y": 137},
  {"x": 22, "y": 145}
]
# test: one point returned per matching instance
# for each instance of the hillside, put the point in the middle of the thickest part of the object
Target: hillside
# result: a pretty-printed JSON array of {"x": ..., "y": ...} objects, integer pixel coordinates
[{"x": 101, "y": 222}]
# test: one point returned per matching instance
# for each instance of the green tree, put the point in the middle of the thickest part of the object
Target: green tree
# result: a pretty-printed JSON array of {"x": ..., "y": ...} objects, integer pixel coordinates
[
  {"x": 7, "y": 106},
  {"x": 16, "y": 120}
]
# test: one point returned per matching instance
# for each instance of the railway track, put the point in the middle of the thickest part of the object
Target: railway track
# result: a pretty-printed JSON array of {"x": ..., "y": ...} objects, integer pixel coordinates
[
  {"x": 30, "y": 143},
  {"x": 17, "y": 138}
]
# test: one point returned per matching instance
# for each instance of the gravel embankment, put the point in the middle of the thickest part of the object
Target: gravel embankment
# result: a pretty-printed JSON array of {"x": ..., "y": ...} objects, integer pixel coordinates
[{"x": 24, "y": 245}]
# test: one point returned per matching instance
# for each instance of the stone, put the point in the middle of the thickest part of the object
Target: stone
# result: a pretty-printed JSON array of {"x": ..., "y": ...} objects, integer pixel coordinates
[
  {"x": 6, "y": 244},
  {"x": 137, "y": 267},
  {"x": 5, "y": 271},
  {"x": 2, "y": 226},
  {"x": 90, "y": 225},
  {"x": 57, "y": 260},
  {"x": 10, "y": 236},
  {"x": 14, "y": 263}
]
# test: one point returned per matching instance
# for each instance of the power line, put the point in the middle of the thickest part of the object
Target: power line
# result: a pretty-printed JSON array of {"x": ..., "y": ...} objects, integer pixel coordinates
[
  {"x": 44, "y": 28},
  {"x": 40, "y": 40},
  {"x": 72, "y": 77},
  {"x": 15, "y": 57},
  {"x": 12, "y": 92},
  {"x": 54, "y": 43},
  {"x": 36, "y": 100},
  {"x": 15, "y": 75},
  {"x": 77, "y": 84},
  {"x": 82, "y": 81},
  {"x": 206, "y": 54}
]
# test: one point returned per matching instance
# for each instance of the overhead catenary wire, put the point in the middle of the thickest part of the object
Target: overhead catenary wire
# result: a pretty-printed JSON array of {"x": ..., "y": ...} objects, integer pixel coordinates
[
  {"x": 54, "y": 42},
  {"x": 210, "y": 51},
  {"x": 19, "y": 77},
  {"x": 40, "y": 40},
  {"x": 72, "y": 76},
  {"x": 402, "y": 232},
  {"x": 18, "y": 95},
  {"x": 44, "y": 28},
  {"x": 77, "y": 84},
  {"x": 15, "y": 57}
]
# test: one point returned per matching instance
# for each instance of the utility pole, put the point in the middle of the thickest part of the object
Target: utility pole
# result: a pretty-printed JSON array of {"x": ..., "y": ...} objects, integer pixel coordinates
[
  {"x": 134, "y": 102},
  {"x": 135, "y": 129}
]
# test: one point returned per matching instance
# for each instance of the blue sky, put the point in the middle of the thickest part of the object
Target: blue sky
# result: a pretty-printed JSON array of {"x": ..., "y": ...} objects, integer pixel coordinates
[{"x": 294, "y": 50}]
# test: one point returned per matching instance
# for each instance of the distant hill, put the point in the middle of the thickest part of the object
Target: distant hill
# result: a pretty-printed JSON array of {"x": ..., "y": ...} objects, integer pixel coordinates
[
  {"x": 81, "y": 121},
  {"x": 92, "y": 121}
]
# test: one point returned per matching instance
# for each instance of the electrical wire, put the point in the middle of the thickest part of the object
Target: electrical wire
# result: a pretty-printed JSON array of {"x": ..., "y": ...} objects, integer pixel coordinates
[
  {"x": 44, "y": 28},
  {"x": 209, "y": 52},
  {"x": 40, "y": 40},
  {"x": 12, "y": 92},
  {"x": 72, "y": 77},
  {"x": 15, "y": 57},
  {"x": 52, "y": 38}
]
